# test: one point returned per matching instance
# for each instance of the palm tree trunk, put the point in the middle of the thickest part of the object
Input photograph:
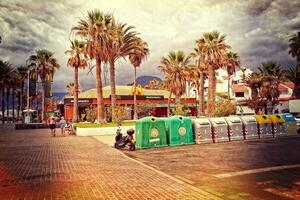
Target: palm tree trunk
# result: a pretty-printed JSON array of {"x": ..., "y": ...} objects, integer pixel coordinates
[
  {"x": 228, "y": 87},
  {"x": 169, "y": 102},
  {"x": 75, "y": 105},
  {"x": 135, "y": 115},
  {"x": 19, "y": 104},
  {"x": 297, "y": 83},
  {"x": 177, "y": 100},
  {"x": 21, "y": 99},
  {"x": 113, "y": 88},
  {"x": 201, "y": 95},
  {"x": 100, "y": 103},
  {"x": 7, "y": 104},
  {"x": 3, "y": 105},
  {"x": 210, "y": 102},
  {"x": 43, "y": 101},
  {"x": 13, "y": 104}
]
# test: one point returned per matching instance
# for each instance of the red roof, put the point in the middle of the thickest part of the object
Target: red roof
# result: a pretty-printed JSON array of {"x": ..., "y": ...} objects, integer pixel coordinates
[
  {"x": 290, "y": 85},
  {"x": 239, "y": 88}
]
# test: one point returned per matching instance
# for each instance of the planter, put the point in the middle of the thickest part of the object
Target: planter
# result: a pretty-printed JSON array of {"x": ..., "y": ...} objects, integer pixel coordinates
[{"x": 100, "y": 131}]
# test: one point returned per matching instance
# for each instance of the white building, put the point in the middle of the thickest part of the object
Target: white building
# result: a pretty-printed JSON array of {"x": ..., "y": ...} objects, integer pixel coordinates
[{"x": 239, "y": 91}]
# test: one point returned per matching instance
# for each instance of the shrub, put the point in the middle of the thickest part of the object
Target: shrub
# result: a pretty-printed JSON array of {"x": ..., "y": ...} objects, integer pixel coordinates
[
  {"x": 121, "y": 113},
  {"x": 180, "y": 110},
  {"x": 224, "y": 108}
]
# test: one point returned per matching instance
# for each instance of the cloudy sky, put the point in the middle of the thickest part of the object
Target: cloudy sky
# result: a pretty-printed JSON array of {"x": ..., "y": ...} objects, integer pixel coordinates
[{"x": 258, "y": 30}]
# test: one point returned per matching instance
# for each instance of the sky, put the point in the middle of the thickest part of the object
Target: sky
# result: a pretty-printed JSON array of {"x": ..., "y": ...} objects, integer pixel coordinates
[{"x": 258, "y": 30}]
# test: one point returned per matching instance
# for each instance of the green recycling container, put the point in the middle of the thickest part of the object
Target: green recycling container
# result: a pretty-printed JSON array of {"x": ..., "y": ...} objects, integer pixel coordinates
[
  {"x": 179, "y": 130},
  {"x": 150, "y": 132}
]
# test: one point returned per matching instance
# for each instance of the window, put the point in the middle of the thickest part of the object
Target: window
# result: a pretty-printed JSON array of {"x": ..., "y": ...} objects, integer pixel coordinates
[{"x": 239, "y": 94}]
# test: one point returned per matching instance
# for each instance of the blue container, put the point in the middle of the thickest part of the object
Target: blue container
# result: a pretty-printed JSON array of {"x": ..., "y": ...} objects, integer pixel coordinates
[{"x": 290, "y": 127}]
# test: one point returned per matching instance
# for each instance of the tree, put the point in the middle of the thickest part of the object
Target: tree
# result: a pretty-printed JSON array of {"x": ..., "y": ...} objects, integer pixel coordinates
[
  {"x": 136, "y": 56},
  {"x": 214, "y": 48},
  {"x": 5, "y": 71},
  {"x": 14, "y": 84},
  {"x": 200, "y": 74},
  {"x": 291, "y": 75},
  {"x": 153, "y": 85},
  {"x": 265, "y": 86},
  {"x": 175, "y": 68},
  {"x": 295, "y": 52},
  {"x": 232, "y": 62},
  {"x": 23, "y": 71},
  {"x": 94, "y": 31},
  {"x": 76, "y": 60},
  {"x": 71, "y": 89},
  {"x": 121, "y": 42},
  {"x": 44, "y": 64}
]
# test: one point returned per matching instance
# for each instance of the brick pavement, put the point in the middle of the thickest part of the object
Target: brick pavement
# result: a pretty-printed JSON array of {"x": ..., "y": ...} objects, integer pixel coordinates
[{"x": 34, "y": 165}]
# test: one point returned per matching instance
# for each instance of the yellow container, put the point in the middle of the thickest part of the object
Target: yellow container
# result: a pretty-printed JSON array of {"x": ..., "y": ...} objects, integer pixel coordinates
[
  {"x": 263, "y": 119},
  {"x": 277, "y": 118}
]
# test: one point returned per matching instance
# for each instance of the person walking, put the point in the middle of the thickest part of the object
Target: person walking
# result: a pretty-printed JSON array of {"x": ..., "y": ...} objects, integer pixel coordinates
[
  {"x": 52, "y": 125},
  {"x": 62, "y": 123}
]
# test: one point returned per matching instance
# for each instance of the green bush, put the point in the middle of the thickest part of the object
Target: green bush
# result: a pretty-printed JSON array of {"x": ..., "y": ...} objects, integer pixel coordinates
[
  {"x": 224, "y": 108},
  {"x": 121, "y": 113},
  {"x": 180, "y": 110}
]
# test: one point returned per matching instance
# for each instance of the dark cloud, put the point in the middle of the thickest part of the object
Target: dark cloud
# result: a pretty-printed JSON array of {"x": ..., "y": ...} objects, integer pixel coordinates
[
  {"x": 258, "y": 30},
  {"x": 257, "y": 7}
]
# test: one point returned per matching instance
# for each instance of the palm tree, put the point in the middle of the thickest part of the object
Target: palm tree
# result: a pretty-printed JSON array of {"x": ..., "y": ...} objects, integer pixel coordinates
[
  {"x": 136, "y": 56},
  {"x": 71, "y": 89},
  {"x": 254, "y": 81},
  {"x": 5, "y": 71},
  {"x": 23, "y": 71},
  {"x": 94, "y": 31},
  {"x": 44, "y": 64},
  {"x": 120, "y": 44},
  {"x": 77, "y": 61},
  {"x": 232, "y": 62},
  {"x": 15, "y": 79},
  {"x": 295, "y": 52},
  {"x": 243, "y": 69},
  {"x": 214, "y": 49},
  {"x": 272, "y": 75},
  {"x": 199, "y": 76},
  {"x": 166, "y": 84},
  {"x": 291, "y": 75},
  {"x": 175, "y": 68}
]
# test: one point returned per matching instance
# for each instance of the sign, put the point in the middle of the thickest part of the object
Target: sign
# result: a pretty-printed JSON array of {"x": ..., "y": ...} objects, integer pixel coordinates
[
  {"x": 138, "y": 90},
  {"x": 138, "y": 97},
  {"x": 80, "y": 101}
]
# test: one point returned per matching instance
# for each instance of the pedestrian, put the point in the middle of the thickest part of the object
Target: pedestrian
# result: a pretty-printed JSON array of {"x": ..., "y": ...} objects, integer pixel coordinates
[
  {"x": 52, "y": 125},
  {"x": 62, "y": 123}
]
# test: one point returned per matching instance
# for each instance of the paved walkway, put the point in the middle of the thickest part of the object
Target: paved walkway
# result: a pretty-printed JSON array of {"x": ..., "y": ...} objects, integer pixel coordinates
[{"x": 34, "y": 165}]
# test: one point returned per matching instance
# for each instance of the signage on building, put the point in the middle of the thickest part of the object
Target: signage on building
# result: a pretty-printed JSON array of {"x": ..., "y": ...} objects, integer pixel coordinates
[
  {"x": 80, "y": 101},
  {"x": 140, "y": 97}
]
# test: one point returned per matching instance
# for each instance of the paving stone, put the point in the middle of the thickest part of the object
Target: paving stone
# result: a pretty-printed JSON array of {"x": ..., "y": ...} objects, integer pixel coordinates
[{"x": 34, "y": 165}]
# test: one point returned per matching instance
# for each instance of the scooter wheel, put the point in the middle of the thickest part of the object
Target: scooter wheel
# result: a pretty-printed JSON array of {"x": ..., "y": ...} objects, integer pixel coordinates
[
  {"x": 116, "y": 146},
  {"x": 132, "y": 147}
]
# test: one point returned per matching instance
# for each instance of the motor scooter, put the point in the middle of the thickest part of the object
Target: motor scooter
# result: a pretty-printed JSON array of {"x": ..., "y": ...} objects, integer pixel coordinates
[{"x": 124, "y": 141}]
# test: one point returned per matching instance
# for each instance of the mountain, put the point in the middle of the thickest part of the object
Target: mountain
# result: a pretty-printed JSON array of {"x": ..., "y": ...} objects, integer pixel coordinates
[{"x": 144, "y": 80}]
